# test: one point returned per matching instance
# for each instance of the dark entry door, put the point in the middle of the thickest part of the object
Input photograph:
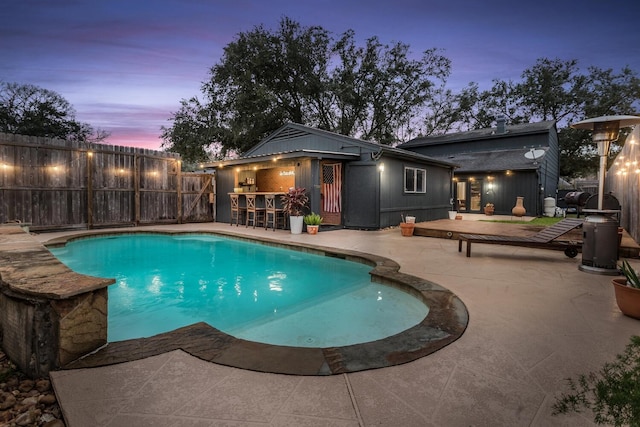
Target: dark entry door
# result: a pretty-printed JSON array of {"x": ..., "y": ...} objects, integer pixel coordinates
[{"x": 469, "y": 195}]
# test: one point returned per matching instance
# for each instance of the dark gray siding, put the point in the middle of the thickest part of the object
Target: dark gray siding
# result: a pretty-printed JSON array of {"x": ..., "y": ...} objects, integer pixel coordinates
[
  {"x": 394, "y": 202},
  {"x": 361, "y": 196},
  {"x": 550, "y": 168},
  {"x": 506, "y": 188},
  {"x": 491, "y": 144},
  {"x": 225, "y": 179}
]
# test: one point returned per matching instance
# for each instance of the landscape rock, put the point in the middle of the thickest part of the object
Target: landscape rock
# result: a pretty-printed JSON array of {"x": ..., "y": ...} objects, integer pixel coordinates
[
  {"x": 26, "y": 402},
  {"x": 7, "y": 400}
]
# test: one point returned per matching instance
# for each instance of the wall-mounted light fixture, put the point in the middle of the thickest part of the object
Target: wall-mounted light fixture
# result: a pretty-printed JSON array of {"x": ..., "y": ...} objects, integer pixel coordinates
[{"x": 381, "y": 167}]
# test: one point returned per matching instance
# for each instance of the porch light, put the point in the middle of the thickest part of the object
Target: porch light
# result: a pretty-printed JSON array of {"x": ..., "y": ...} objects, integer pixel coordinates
[{"x": 381, "y": 167}]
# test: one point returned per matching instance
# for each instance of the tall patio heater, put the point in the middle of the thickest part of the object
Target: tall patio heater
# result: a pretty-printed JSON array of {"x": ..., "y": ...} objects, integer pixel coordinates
[{"x": 600, "y": 228}]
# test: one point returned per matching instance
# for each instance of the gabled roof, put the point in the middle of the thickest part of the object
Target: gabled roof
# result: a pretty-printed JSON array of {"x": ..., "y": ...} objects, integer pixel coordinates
[
  {"x": 493, "y": 161},
  {"x": 481, "y": 134},
  {"x": 349, "y": 147},
  {"x": 295, "y": 130}
]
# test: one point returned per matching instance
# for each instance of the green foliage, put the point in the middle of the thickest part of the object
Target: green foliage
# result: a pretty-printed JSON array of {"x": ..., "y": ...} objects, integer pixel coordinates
[
  {"x": 192, "y": 133},
  {"x": 631, "y": 275},
  {"x": 294, "y": 202},
  {"x": 613, "y": 393},
  {"x": 304, "y": 75},
  {"x": 313, "y": 219},
  {"x": 34, "y": 111}
]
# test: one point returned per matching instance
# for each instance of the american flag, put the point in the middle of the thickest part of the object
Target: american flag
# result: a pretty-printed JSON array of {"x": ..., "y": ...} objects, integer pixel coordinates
[{"x": 332, "y": 187}]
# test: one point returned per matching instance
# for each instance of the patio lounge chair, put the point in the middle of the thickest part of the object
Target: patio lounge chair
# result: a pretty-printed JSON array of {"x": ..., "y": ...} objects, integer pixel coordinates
[{"x": 545, "y": 239}]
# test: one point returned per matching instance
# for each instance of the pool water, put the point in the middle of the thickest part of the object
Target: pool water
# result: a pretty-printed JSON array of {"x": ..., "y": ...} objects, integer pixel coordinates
[{"x": 248, "y": 290}]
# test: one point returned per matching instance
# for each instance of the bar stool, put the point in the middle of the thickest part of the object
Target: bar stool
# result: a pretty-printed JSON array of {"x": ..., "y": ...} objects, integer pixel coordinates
[
  {"x": 237, "y": 211},
  {"x": 254, "y": 214},
  {"x": 273, "y": 215}
]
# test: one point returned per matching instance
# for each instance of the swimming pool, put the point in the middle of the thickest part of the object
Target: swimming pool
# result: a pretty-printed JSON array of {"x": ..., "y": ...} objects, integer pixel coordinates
[{"x": 248, "y": 290}]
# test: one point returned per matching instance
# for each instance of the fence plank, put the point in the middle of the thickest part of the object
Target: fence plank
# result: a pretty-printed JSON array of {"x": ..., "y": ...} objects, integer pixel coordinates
[{"x": 55, "y": 184}]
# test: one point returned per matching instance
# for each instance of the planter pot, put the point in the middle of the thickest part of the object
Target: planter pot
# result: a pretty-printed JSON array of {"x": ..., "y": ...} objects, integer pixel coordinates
[
  {"x": 407, "y": 228},
  {"x": 296, "y": 224},
  {"x": 488, "y": 211},
  {"x": 452, "y": 214},
  {"x": 312, "y": 229},
  {"x": 411, "y": 219},
  {"x": 628, "y": 298}
]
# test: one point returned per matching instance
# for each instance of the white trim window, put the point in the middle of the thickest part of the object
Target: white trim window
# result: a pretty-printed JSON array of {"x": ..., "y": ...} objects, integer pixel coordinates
[{"x": 415, "y": 180}]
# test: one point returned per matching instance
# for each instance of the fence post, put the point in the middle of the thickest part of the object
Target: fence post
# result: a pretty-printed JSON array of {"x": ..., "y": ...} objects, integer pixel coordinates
[
  {"x": 179, "y": 189},
  {"x": 89, "y": 190},
  {"x": 136, "y": 188}
]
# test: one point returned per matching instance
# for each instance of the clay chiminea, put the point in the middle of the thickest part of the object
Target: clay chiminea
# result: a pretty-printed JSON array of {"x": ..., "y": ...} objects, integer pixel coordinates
[{"x": 518, "y": 209}]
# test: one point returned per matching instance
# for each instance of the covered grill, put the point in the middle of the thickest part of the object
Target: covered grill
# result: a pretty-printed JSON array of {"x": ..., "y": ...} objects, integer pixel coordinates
[{"x": 577, "y": 200}]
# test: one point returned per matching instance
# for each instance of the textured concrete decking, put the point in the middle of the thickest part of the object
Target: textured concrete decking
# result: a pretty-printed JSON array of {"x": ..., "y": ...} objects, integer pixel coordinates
[{"x": 535, "y": 319}]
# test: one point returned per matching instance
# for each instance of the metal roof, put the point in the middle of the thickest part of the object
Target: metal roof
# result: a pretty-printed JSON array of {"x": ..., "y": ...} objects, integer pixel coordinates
[
  {"x": 480, "y": 134},
  {"x": 493, "y": 161}
]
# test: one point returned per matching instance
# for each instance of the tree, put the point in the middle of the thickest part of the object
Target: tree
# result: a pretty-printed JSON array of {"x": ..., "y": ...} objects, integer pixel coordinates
[
  {"x": 378, "y": 90},
  {"x": 192, "y": 133},
  {"x": 31, "y": 110},
  {"x": 302, "y": 74}
]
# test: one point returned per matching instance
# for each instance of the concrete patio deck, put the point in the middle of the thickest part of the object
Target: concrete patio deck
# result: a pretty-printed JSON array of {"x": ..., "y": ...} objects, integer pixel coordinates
[{"x": 534, "y": 319}]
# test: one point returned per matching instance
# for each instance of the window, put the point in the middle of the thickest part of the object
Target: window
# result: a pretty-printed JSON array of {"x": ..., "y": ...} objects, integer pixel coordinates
[{"x": 415, "y": 180}]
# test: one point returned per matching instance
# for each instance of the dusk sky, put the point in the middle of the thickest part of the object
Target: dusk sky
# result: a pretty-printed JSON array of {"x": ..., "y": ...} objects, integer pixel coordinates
[{"x": 125, "y": 65}]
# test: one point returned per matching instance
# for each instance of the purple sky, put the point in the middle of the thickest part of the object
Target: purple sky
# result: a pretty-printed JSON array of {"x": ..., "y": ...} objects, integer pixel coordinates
[{"x": 125, "y": 64}]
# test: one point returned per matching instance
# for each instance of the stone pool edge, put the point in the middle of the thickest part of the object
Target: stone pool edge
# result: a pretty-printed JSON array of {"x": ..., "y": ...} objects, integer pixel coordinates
[{"x": 445, "y": 323}]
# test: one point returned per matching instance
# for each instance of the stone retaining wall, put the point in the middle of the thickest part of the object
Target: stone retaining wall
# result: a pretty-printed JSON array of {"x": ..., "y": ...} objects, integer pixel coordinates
[{"x": 49, "y": 315}]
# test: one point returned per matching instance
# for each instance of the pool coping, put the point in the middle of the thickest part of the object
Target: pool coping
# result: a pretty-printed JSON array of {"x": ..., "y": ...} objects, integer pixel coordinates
[{"x": 446, "y": 321}]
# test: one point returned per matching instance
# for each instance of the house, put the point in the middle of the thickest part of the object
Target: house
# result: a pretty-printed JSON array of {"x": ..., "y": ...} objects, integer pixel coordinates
[
  {"x": 351, "y": 183},
  {"x": 499, "y": 164}
]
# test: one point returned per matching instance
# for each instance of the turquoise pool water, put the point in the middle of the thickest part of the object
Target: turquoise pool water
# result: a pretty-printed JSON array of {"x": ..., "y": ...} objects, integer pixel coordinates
[{"x": 247, "y": 290}]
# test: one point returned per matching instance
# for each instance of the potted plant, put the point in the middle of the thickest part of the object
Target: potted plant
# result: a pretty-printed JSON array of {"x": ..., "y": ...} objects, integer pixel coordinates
[
  {"x": 489, "y": 208},
  {"x": 627, "y": 291},
  {"x": 454, "y": 210},
  {"x": 407, "y": 227},
  {"x": 294, "y": 202},
  {"x": 313, "y": 221},
  {"x": 612, "y": 393}
]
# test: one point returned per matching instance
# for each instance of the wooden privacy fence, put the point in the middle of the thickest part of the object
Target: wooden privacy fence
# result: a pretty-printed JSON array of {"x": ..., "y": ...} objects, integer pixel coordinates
[
  {"x": 623, "y": 181},
  {"x": 56, "y": 184}
]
